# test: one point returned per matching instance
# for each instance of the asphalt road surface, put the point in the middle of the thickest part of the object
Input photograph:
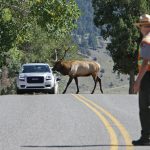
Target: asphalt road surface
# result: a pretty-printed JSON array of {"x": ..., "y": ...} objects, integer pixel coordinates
[{"x": 69, "y": 122}]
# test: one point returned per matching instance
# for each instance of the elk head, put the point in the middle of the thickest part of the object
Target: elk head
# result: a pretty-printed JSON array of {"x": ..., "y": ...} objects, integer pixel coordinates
[{"x": 57, "y": 66}]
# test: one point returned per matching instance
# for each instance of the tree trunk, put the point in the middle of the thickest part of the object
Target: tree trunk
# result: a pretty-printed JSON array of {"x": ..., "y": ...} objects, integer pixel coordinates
[
  {"x": 5, "y": 78},
  {"x": 131, "y": 82}
]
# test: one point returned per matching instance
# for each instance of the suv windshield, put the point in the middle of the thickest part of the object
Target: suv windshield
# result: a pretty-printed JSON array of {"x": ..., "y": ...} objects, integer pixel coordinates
[{"x": 35, "y": 68}]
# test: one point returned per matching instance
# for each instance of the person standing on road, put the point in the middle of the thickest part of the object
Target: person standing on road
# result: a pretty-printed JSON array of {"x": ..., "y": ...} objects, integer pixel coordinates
[{"x": 142, "y": 83}]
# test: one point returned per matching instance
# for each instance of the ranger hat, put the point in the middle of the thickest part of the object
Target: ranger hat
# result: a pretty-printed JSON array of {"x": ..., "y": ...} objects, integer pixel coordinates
[{"x": 144, "y": 20}]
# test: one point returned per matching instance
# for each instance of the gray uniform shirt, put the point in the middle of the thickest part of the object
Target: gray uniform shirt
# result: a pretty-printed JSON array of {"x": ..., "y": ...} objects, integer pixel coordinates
[{"x": 145, "y": 51}]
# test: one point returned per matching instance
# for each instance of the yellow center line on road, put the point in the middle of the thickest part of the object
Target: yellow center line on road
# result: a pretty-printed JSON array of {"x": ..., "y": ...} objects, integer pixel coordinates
[
  {"x": 113, "y": 137},
  {"x": 121, "y": 128}
]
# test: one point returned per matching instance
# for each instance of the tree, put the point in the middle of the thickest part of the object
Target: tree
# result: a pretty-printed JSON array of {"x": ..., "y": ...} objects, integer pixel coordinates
[
  {"x": 18, "y": 19},
  {"x": 92, "y": 41},
  {"x": 31, "y": 30},
  {"x": 15, "y": 23},
  {"x": 116, "y": 19},
  {"x": 84, "y": 45},
  {"x": 57, "y": 17}
]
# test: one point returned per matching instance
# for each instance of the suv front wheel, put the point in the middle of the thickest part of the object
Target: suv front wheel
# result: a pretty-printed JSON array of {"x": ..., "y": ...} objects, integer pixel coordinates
[
  {"x": 54, "y": 90},
  {"x": 19, "y": 91}
]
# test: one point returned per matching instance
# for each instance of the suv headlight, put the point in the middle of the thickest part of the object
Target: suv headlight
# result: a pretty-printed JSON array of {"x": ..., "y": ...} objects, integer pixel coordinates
[
  {"x": 48, "y": 78},
  {"x": 22, "y": 78}
]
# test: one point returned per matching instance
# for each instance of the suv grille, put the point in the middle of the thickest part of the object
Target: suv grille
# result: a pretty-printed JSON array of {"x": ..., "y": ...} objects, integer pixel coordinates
[{"x": 35, "y": 79}]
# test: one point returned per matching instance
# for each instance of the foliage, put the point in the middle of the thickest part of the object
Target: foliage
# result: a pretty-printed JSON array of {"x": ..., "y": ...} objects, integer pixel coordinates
[
  {"x": 31, "y": 30},
  {"x": 56, "y": 16},
  {"x": 15, "y": 23},
  {"x": 18, "y": 20},
  {"x": 116, "y": 19}
]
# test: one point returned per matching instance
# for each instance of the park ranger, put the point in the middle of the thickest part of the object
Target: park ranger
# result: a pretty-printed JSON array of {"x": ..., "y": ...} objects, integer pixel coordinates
[{"x": 142, "y": 83}]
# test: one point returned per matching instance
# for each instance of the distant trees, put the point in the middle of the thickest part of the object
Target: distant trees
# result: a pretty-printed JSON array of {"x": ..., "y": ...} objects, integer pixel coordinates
[
  {"x": 93, "y": 41},
  {"x": 86, "y": 33},
  {"x": 116, "y": 20}
]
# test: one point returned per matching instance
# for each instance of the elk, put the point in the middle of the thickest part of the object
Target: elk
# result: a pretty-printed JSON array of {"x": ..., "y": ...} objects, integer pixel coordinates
[{"x": 77, "y": 68}]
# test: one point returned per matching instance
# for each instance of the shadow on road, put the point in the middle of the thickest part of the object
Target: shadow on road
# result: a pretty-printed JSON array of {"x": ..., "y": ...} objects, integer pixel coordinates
[{"x": 73, "y": 146}]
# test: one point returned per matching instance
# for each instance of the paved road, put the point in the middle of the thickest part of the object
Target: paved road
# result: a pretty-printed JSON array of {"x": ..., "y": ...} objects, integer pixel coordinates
[{"x": 69, "y": 122}]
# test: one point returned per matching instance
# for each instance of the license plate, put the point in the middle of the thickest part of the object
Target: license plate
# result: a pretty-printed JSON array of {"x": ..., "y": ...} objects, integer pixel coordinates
[{"x": 35, "y": 79}]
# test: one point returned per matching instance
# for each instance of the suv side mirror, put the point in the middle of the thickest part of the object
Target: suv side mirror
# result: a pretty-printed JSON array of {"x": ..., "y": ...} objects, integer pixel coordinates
[{"x": 58, "y": 79}]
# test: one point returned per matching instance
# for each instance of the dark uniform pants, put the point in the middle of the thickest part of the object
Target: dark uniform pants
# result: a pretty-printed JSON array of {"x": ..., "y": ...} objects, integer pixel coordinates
[{"x": 144, "y": 105}]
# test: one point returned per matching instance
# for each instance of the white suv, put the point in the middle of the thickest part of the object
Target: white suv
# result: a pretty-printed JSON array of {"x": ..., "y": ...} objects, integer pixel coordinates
[{"x": 36, "y": 77}]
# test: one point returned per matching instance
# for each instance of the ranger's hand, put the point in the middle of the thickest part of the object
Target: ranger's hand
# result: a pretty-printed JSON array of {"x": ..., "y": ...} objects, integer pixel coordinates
[{"x": 136, "y": 86}]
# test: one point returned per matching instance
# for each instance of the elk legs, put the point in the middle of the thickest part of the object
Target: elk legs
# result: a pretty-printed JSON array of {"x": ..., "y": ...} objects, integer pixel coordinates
[
  {"x": 100, "y": 83},
  {"x": 76, "y": 81},
  {"x": 69, "y": 81},
  {"x": 95, "y": 81}
]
